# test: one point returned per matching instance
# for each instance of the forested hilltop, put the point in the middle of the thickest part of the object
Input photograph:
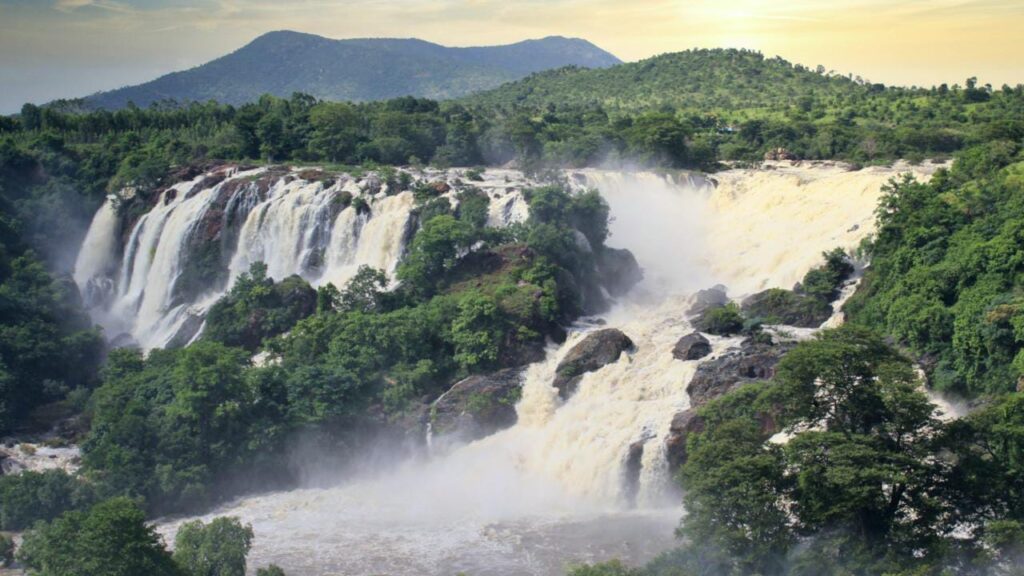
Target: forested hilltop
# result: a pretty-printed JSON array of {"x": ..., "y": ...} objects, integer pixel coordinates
[{"x": 871, "y": 482}]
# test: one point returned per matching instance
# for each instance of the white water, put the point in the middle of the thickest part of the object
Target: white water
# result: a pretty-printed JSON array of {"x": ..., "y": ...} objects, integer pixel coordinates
[
  {"x": 551, "y": 490},
  {"x": 293, "y": 225}
]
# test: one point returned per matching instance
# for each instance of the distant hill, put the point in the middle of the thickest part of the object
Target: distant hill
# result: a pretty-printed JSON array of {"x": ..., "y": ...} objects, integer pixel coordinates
[
  {"x": 284, "y": 62},
  {"x": 705, "y": 80}
]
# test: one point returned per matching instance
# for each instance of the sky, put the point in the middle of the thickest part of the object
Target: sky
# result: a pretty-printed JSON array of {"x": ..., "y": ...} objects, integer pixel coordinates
[{"x": 68, "y": 48}]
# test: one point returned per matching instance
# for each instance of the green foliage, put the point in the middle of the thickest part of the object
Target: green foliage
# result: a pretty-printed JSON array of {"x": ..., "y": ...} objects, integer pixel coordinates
[
  {"x": 946, "y": 270},
  {"x": 611, "y": 568},
  {"x": 722, "y": 320},
  {"x": 257, "y": 308},
  {"x": 47, "y": 346},
  {"x": 824, "y": 281},
  {"x": 272, "y": 570},
  {"x": 433, "y": 253},
  {"x": 168, "y": 427},
  {"x": 6, "y": 550},
  {"x": 215, "y": 549},
  {"x": 29, "y": 497},
  {"x": 861, "y": 485},
  {"x": 110, "y": 539}
]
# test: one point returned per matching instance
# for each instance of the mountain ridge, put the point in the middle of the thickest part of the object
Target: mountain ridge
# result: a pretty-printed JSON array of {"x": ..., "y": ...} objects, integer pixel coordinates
[{"x": 357, "y": 69}]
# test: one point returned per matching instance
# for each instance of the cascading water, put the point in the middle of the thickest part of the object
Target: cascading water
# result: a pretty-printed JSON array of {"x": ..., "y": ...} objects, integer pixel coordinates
[
  {"x": 184, "y": 252},
  {"x": 553, "y": 488}
]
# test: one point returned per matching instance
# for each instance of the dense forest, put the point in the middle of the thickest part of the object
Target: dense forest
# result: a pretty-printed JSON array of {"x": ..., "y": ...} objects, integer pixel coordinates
[{"x": 870, "y": 482}]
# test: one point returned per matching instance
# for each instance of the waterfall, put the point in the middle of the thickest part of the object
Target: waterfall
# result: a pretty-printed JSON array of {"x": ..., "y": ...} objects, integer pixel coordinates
[
  {"x": 96, "y": 268},
  {"x": 183, "y": 253},
  {"x": 553, "y": 488},
  {"x": 594, "y": 463}
]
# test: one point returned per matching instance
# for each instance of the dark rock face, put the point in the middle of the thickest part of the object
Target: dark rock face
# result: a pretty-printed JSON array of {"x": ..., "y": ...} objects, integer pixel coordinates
[
  {"x": 619, "y": 270},
  {"x": 691, "y": 347},
  {"x": 633, "y": 467},
  {"x": 475, "y": 407},
  {"x": 598, "y": 349},
  {"x": 753, "y": 361},
  {"x": 707, "y": 299},
  {"x": 683, "y": 424},
  {"x": 777, "y": 306}
]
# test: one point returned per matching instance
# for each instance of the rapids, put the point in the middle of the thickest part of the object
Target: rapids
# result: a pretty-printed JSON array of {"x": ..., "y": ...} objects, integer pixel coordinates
[{"x": 552, "y": 489}]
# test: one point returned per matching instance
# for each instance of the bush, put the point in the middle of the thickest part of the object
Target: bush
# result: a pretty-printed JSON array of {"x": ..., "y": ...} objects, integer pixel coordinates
[
  {"x": 110, "y": 538},
  {"x": 722, "y": 321},
  {"x": 29, "y": 497},
  {"x": 215, "y": 549}
]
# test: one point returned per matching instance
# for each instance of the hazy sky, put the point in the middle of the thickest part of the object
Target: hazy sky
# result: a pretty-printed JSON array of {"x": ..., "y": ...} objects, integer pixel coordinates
[{"x": 67, "y": 48}]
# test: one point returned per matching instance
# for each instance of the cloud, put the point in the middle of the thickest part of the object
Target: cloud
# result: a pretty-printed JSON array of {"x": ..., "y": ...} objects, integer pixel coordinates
[{"x": 108, "y": 5}]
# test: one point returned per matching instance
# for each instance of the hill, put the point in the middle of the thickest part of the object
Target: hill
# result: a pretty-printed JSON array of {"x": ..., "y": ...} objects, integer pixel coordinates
[
  {"x": 705, "y": 80},
  {"x": 283, "y": 62}
]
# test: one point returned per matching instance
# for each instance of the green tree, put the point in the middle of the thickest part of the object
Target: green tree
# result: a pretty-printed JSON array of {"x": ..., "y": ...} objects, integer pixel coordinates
[
  {"x": 336, "y": 130},
  {"x": 110, "y": 539},
  {"x": 218, "y": 548}
]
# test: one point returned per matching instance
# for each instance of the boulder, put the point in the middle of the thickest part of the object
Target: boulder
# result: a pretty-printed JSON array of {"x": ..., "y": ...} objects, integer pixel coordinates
[
  {"x": 597, "y": 349},
  {"x": 777, "y": 306},
  {"x": 691, "y": 347},
  {"x": 475, "y": 407},
  {"x": 707, "y": 299},
  {"x": 683, "y": 424},
  {"x": 752, "y": 361},
  {"x": 619, "y": 270},
  {"x": 632, "y": 469}
]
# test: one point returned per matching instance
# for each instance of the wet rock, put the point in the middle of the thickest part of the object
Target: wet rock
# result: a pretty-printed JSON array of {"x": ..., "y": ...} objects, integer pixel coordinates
[
  {"x": 123, "y": 340},
  {"x": 619, "y": 270},
  {"x": 475, "y": 407},
  {"x": 597, "y": 349},
  {"x": 683, "y": 424},
  {"x": 707, "y": 299},
  {"x": 778, "y": 154},
  {"x": 634, "y": 466},
  {"x": 691, "y": 347},
  {"x": 752, "y": 361},
  {"x": 777, "y": 306},
  {"x": 188, "y": 330}
]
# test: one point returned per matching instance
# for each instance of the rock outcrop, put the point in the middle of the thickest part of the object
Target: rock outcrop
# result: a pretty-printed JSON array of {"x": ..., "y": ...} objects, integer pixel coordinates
[
  {"x": 683, "y": 424},
  {"x": 475, "y": 407},
  {"x": 691, "y": 347},
  {"x": 777, "y": 306},
  {"x": 619, "y": 270},
  {"x": 597, "y": 349},
  {"x": 707, "y": 299},
  {"x": 752, "y": 361}
]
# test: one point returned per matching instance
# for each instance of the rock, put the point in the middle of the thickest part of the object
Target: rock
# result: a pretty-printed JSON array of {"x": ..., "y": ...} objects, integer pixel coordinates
[
  {"x": 707, "y": 299},
  {"x": 777, "y": 306},
  {"x": 597, "y": 349},
  {"x": 691, "y": 347},
  {"x": 633, "y": 468},
  {"x": 779, "y": 154},
  {"x": 188, "y": 330},
  {"x": 619, "y": 270},
  {"x": 683, "y": 424},
  {"x": 475, "y": 407},
  {"x": 123, "y": 340},
  {"x": 440, "y": 187},
  {"x": 752, "y": 361}
]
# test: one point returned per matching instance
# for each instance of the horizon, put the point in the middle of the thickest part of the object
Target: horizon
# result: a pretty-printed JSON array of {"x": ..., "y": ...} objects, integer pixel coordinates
[{"x": 74, "y": 48}]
